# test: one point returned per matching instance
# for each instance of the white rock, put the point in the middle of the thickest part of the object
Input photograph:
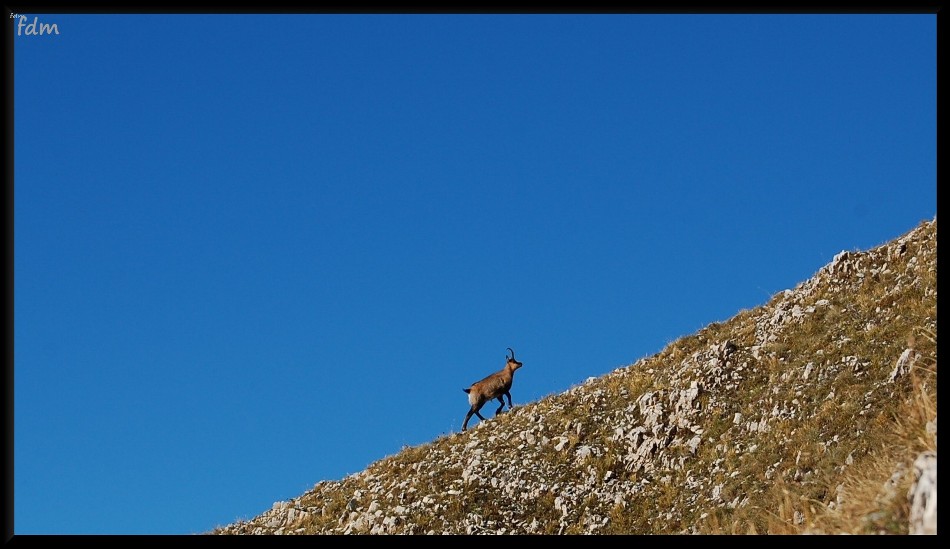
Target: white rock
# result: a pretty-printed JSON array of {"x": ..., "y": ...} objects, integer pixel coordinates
[
  {"x": 904, "y": 364},
  {"x": 694, "y": 444},
  {"x": 923, "y": 495}
]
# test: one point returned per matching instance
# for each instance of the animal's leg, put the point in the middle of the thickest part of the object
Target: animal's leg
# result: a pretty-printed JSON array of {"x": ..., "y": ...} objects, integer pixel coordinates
[
  {"x": 502, "y": 401},
  {"x": 473, "y": 410}
]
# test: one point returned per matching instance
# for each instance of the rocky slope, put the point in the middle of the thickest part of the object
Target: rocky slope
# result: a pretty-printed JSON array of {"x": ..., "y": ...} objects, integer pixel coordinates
[{"x": 783, "y": 419}]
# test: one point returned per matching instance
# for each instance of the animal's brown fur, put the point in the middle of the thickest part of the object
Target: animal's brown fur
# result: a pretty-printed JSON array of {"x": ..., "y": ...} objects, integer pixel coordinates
[{"x": 497, "y": 385}]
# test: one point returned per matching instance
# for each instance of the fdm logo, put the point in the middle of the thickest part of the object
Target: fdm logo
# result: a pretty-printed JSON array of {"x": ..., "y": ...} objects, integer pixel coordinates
[{"x": 34, "y": 28}]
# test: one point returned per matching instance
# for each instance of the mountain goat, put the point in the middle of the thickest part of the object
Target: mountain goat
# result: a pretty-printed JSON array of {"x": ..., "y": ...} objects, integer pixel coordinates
[{"x": 494, "y": 386}]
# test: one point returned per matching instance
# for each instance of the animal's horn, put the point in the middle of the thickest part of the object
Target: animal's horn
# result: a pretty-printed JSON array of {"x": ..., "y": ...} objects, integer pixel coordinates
[{"x": 512, "y": 353}]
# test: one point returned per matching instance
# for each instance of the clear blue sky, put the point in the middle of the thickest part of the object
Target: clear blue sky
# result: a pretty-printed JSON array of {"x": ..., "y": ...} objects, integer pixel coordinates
[{"x": 254, "y": 252}]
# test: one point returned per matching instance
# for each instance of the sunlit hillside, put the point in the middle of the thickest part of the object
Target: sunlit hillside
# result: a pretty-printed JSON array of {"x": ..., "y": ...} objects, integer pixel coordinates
[{"x": 813, "y": 413}]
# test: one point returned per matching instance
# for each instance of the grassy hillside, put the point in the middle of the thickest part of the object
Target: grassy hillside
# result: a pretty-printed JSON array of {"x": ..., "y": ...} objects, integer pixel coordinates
[{"x": 804, "y": 415}]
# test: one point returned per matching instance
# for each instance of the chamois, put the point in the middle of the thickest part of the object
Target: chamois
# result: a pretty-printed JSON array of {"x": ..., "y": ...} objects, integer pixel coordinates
[{"x": 494, "y": 386}]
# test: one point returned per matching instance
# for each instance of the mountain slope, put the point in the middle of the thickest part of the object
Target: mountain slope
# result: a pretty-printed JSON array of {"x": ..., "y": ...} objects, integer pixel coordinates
[{"x": 802, "y": 415}]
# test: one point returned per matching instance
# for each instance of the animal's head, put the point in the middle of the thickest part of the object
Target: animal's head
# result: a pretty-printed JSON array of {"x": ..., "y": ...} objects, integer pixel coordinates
[{"x": 512, "y": 363}]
